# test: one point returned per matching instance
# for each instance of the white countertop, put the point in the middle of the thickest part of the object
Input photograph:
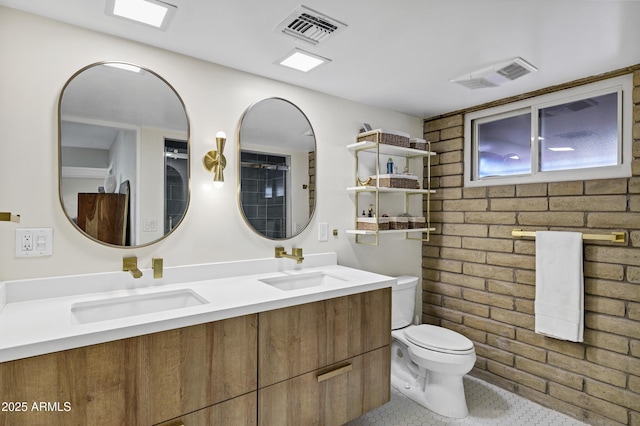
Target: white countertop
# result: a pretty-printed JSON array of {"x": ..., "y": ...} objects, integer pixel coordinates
[{"x": 36, "y": 316}]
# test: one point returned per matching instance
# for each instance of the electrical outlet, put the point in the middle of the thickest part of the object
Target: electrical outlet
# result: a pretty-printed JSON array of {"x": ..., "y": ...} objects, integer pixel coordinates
[
  {"x": 34, "y": 242},
  {"x": 27, "y": 241}
]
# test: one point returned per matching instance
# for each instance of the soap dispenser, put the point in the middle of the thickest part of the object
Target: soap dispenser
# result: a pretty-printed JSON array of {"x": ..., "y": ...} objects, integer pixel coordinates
[{"x": 390, "y": 166}]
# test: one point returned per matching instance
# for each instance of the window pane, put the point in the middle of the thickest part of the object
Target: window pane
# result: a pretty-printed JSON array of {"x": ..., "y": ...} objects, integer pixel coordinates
[
  {"x": 504, "y": 146},
  {"x": 579, "y": 134}
]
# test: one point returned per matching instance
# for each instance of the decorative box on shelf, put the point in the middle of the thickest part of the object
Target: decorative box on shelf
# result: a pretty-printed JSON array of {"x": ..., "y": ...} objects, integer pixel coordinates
[
  {"x": 369, "y": 224},
  {"x": 388, "y": 137},
  {"x": 396, "y": 181}
]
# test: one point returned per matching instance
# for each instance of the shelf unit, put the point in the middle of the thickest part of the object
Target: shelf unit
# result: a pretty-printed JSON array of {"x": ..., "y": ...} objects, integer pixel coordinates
[{"x": 397, "y": 151}]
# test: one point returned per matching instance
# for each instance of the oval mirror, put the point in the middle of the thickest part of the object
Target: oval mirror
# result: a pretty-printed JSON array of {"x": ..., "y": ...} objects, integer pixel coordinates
[
  {"x": 123, "y": 154},
  {"x": 276, "y": 150}
]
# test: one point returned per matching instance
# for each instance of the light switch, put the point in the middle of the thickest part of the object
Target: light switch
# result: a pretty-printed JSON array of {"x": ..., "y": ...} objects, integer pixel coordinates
[
  {"x": 323, "y": 232},
  {"x": 34, "y": 242}
]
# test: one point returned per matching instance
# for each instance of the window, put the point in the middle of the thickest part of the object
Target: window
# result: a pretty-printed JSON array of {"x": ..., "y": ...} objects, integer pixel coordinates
[{"x": 575, "y": 134}]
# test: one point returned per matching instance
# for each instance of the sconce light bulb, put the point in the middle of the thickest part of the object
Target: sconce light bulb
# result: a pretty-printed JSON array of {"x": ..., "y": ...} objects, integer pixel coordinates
[
  {"x": 221, "y": 134},
  {"x": 218, "y": 184}
]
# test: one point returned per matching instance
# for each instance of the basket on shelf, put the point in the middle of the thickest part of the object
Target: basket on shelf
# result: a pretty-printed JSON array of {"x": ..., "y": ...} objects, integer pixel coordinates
[
  {"x": 395, "y": 181},
  {"x": 417, "y": 222},
  {"x": 388, "y": 137},
  {"x": 399, "y": 222},
  {"x": 369, "y": 224},
  {"x": 417, "y": 143}
]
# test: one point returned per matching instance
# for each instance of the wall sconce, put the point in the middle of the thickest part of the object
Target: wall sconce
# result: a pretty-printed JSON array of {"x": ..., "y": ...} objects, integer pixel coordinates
[{"x": 215, "y": 162}]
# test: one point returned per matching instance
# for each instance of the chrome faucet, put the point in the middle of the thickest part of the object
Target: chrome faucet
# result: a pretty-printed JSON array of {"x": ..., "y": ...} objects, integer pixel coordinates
[
  {"x": 296, "y": 254},
  {"x": 131, "y": 264}
]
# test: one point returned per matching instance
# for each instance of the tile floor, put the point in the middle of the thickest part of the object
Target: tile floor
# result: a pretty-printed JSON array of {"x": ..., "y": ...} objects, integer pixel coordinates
[{"x": 488, "y": 405}]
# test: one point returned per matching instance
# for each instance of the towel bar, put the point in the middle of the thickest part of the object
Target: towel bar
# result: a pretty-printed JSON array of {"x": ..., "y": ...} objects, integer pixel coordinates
[
  {"x": 616, "y": 237},
  {"x": 9, "y": 217}
]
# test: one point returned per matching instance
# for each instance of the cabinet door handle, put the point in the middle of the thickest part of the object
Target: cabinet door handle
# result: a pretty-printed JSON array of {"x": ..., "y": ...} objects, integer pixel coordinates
[{"x": 333, "y": 373}]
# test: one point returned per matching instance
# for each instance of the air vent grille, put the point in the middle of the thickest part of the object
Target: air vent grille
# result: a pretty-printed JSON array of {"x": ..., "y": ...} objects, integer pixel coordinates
[
  {"x": 477, "y": 83},
  {"x": 308, "y": 25},
  {"x": 513, "y": 70},
  {"x": 496, "y": 75}
]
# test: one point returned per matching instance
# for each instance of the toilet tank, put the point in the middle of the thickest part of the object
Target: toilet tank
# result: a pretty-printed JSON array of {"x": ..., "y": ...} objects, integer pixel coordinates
[{"x": 403, "y": 301}]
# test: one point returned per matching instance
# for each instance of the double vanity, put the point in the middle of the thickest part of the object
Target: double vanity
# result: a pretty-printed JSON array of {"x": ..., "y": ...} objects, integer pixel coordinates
[{"x": 262, "y": 341}]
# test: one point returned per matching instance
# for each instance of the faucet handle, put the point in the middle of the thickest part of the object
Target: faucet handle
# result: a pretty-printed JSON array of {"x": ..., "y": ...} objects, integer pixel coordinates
[{"x": 157, "y": 265}]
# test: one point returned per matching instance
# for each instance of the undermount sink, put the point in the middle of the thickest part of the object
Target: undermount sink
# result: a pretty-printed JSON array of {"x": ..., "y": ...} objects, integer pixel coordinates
[
  {"x": 127, "y": 306},
  {"x": 297, "y": 281}
]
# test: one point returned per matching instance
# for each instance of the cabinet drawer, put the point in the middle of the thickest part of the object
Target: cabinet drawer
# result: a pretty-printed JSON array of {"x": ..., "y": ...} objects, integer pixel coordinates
[
  {"x": 329, "y": 396},
  {"x": 241, "y": 410},
  {"x": 303, "y": 338},
  {"x": 138, "y": 381}
]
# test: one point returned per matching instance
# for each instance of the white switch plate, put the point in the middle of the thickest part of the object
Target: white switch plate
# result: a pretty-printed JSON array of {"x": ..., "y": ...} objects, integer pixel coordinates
[
  {"x": 323, "y": 232},
  {"x": 34, "y": 242}
]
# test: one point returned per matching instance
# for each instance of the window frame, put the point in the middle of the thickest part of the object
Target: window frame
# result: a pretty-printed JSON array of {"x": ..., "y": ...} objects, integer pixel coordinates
[{"x": 623, "y": 85}]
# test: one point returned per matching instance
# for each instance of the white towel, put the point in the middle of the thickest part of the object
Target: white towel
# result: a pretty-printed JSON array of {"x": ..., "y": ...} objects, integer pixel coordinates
[{"x": 559, "y": 305}]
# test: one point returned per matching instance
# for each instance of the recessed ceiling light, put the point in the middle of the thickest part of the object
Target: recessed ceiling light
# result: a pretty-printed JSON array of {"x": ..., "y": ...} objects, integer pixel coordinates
[
  {"x": 149, "y": 12},
  {"x": 561, "y": 149},
  {"x": 302, "y": 61}
]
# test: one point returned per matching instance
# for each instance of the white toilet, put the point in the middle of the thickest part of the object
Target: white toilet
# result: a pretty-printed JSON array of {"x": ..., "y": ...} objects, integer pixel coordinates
[{"x": 427, "y": 362}]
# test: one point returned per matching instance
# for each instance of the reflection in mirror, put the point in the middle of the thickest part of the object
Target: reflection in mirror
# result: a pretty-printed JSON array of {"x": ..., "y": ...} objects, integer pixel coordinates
[
  {"x": 123, "y": 154},
  {"x": 277, "y": 146}
]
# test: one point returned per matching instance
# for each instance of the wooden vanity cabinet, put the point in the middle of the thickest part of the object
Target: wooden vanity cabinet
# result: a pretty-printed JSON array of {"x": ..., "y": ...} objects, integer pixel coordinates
[
  {"x": 142, "y": 380},
  {"x": 325, "y": 362},
  {"x": 319, "y": 363},
  {"x": 240, "y": 411}
]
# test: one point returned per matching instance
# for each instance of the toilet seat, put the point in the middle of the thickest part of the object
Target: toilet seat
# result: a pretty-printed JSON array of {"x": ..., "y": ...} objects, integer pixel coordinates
[{"x": 438, "y": 339}]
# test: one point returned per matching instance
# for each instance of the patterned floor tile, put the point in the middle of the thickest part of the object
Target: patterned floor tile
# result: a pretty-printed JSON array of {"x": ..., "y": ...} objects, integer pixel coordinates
[{"x": 488, "y": 405}]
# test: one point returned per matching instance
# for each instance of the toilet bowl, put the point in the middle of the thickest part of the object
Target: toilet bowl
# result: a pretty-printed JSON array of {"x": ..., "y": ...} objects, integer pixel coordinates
[{"x": 428, "y": 362}]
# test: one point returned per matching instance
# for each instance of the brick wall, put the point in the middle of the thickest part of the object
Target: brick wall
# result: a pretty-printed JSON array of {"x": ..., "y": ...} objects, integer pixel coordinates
[{"x": 480, "y": 281}]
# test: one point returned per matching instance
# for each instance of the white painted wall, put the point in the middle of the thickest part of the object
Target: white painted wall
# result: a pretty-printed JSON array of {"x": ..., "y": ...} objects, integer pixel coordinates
[{"x": 37, "y": 57}]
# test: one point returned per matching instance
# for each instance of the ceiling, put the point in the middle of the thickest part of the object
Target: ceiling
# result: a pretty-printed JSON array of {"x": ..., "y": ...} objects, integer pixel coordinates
[{"x": 398, "y": 55}]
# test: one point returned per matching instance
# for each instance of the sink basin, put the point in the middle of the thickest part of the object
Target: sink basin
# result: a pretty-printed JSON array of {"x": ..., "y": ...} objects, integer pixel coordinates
[
  {"x": 299, "y": 281},
  {"x": 127, "y": 306}
]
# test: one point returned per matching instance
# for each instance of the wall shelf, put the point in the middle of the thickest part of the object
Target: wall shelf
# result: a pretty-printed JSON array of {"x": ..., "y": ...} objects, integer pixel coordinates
[
  {"x": 388, "y": 231},
  {"x": 389, "y": 149},
  {"x": 375, "y": 149},
  {"x": 390, "y": 190}
]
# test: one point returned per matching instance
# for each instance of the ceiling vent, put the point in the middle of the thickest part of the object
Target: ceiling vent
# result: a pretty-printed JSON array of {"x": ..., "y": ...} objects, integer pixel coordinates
[
  {"x": 308, "y": 25},
  {"x": 496, "y": 75}
]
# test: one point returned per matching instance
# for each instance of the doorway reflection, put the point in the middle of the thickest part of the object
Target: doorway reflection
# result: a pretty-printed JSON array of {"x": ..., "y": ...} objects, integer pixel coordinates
[{"x": 176, "y": 178}]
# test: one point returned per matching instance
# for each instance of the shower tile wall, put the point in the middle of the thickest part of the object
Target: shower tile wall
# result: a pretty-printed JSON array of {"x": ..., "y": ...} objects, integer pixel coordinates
[{"x": 263, "y": 193}]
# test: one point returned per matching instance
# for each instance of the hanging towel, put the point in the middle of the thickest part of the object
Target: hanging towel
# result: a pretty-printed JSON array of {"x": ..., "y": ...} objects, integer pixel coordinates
[{"x": 559, "y": 305}]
